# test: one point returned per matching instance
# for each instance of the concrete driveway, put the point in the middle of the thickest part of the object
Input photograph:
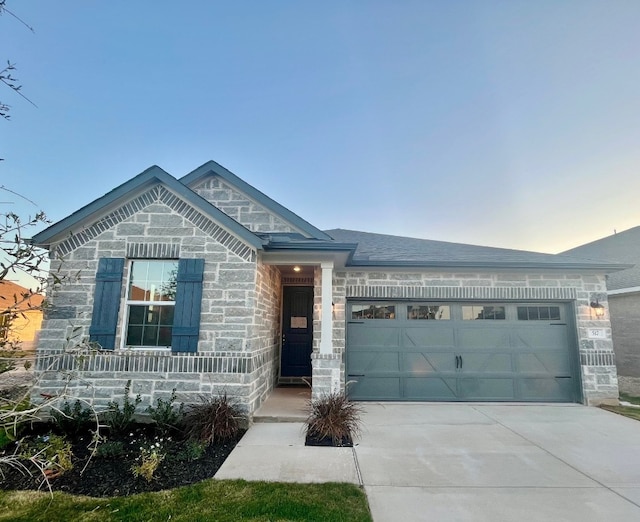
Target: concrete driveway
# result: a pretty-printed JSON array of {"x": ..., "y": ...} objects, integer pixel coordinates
[{"x": 466, "y": 462}]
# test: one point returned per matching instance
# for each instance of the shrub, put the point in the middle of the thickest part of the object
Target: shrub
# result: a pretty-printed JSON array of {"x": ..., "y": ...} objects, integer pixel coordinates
[
  {"x": 214, "y": 419},
  {"x": 165, "y": 414},
  {"x": 110, "y": 449},
  {"x": 72, "y": 420},
  {"x": 333, "y": 417},
  {"x": 192, "y": 450},
  {"x": 119, "y": 420},
  {"x": 148, "y": 461},
  {"x": 51, "y": 453}
]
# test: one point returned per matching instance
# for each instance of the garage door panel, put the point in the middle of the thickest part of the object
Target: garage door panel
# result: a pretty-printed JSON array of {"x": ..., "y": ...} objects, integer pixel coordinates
[
  {"x": 553, "y": 363},
  {"x": 371, "y": 362},
  {"x": 441, "y": 389},
  {"x": 486, "y": 362},
  {"x": 374, "y": 388},
  {"x": 483, "y": 337},
  {"x": 428, "y": 363},
  {"x": 547, "y": 389},
  {"x": 360, "y": 336},
  {"x": 546, "y": 337},
  {"x": 433, "y": 337},
  {"x": 489, "y": 389},
  {"x": 509, "y": 359}
]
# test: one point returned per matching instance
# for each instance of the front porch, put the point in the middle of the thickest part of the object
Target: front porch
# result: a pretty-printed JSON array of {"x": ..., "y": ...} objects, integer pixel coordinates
[{"x": 285, "y": 404}]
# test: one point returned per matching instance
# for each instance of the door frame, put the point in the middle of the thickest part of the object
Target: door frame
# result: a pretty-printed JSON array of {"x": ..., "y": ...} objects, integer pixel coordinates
[{"x": 295, "y": 379}]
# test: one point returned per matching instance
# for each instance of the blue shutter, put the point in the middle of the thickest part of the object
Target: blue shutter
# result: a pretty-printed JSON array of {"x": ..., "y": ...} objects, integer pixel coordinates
[
  {"x": 106, "y": 303},
  {"x": 186, "y": 319}
]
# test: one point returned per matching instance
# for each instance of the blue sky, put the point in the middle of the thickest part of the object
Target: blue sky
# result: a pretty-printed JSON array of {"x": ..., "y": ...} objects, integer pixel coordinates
[{"x": 505, "y": 123}]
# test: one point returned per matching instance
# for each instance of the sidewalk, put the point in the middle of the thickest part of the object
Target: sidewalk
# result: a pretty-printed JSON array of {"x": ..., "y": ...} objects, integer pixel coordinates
[
  {"x": 275, "y": 452},
  {"x": 273, "y": 448}
]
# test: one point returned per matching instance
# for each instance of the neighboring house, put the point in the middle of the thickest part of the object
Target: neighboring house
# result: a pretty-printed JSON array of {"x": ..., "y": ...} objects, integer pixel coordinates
[
  {"x": 623, "y": 291},
  {"x": 206, "y": 284},
  {"x": 20, "y": 314}
]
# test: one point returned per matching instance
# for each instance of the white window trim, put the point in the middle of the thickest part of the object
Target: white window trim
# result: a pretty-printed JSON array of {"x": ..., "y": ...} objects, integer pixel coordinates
[{"x": 127, "y": 306}]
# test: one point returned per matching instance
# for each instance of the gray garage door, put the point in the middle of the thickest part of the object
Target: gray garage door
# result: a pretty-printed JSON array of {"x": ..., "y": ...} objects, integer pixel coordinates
[{"x": 460, "y": 351}]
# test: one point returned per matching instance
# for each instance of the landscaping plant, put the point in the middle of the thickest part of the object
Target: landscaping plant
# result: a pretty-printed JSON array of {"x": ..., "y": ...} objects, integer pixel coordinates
[
  {"x": 148, "y": 461},
  {"x": 120, "y": 419},
  {"x": 166, "y": 415},
  {"x": 333, "y": 417},
  {"x": 51, "y": 454},
  {"x": 72, "y": 420},
  {"x": 214, "y": 419}
]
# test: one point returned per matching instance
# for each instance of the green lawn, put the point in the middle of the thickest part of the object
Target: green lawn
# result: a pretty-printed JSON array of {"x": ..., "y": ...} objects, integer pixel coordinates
[
  {"x": 627, "y": 411},
  {"x": 221, "y": 501}
]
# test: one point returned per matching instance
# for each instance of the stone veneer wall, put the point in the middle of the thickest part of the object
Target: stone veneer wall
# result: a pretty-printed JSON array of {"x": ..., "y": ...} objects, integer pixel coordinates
[
  {"x": 266, "y": 332},
  {"x": 238, "y": 206},
  {"x": 598, "y": 372},
  {"x": 237, "y": 350}
]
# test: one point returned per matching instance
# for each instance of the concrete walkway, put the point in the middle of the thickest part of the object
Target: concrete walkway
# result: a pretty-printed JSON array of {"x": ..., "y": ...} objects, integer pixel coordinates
[{"x": 466, "y": 462}]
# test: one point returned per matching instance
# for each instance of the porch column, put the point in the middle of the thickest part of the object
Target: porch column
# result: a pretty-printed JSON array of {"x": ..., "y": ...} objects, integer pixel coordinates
[{"x": 326, "y": 317}]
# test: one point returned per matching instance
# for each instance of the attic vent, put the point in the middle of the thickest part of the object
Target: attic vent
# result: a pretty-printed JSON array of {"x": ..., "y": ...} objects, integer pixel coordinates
[
  {"x": 152, "y": 251},
  {"x": 306, "y": 281}
]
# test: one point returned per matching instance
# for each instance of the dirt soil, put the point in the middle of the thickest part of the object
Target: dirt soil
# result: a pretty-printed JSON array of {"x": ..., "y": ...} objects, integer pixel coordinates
[{"x": 113, "y": 476}]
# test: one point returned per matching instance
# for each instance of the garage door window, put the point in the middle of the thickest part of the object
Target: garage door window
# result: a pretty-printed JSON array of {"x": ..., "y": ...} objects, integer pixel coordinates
[
  {"x": 373, "y": 311},
  {"x": 482, "y": 312},
  {"x": 429, "y": 312},
  {"x": 538, "y": 313}
]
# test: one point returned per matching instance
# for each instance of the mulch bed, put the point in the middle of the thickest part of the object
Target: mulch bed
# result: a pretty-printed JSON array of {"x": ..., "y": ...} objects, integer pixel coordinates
[{"x": 112, "y": 476}]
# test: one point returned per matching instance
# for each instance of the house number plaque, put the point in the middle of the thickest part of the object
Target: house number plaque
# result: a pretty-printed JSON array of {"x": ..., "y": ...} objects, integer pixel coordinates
[{"x": 596, "y": 333}]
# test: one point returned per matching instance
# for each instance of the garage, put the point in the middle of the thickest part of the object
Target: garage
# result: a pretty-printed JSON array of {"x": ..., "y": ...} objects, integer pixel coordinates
[{"x": 456, "y": 351}]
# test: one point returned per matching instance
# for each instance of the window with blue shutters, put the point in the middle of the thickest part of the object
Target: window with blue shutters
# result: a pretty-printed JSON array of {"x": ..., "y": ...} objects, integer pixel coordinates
[
  {"x": 151, "y": 295},
  {"x": 162, "y": 304}
]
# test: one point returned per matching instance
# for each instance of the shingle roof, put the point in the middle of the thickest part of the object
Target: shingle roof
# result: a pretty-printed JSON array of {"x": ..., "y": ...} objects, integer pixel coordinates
[
  {"x": 386, "y": 250},
  {"x": 623, "y": 247}
]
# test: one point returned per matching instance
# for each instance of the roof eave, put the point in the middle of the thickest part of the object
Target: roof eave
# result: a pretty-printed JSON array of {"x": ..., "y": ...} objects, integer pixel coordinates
[
  {"x": 148, "y": 178},
  {"x": 601, "y": 268}
]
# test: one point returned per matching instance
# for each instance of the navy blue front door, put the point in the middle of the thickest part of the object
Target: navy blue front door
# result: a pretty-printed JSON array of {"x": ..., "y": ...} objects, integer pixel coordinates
[{"x": 297, "y": 331}]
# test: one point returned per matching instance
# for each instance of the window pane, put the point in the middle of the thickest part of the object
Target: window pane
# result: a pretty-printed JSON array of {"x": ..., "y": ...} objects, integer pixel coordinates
[
  {"x": 153, "y": 280},
  {"x": 538, "y": 313},
  {"x": 482, "y": 312},
  {"x": 373, "y": 311},
  {"x": 134, "y": 336},
  {"x": 150, "y": 336},
  {"x": 426, "y": 312},
  {"x": 150, "y": 325}
]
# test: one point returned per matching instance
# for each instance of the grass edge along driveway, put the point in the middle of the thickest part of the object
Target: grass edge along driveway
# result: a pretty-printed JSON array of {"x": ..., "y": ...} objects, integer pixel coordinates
[{"x": 219, "y": 500}]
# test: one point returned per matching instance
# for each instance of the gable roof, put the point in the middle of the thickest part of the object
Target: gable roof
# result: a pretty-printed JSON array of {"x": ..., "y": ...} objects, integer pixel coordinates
[
  {"x": 213, "y": 168},
  {"x": 623, "y": 247},
  {"x": 146, "y": 179},
  {"x": 389, "y": 251}
]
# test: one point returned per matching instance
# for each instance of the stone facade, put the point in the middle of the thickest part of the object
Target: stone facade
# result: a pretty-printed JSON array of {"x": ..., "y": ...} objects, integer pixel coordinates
[
  {"x": 598, "y": 372},
  {"x": 238, "y": 206},
  {"x": 240, "y": 335},
  {"x": 238, "y": 348}
]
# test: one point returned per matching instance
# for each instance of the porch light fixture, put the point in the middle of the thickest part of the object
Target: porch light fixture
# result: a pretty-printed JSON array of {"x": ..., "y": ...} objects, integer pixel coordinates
[
  {"x": 296, "y": 269},
  {"x": 597, "y": 308}
]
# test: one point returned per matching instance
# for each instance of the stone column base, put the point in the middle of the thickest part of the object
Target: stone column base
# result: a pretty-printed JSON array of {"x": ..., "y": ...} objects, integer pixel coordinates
[{"x": 326, "y": 369}]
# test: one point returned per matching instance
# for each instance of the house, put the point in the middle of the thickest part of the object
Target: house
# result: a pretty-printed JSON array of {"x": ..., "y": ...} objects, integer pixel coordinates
[
  {"x": 20, "y": 314},
  {"x": 205, "y": 284},
  {"x": 623, "y": 294}
]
